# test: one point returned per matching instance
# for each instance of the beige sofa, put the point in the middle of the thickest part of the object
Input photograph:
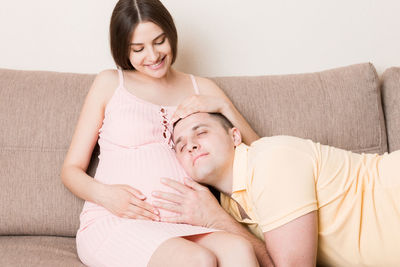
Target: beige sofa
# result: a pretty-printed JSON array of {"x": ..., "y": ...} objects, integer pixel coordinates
[{"x": 348, "y": 107}]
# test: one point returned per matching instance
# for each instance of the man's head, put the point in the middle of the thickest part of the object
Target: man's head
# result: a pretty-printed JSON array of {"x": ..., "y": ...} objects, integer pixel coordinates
[{"x": 205, "y": 146}]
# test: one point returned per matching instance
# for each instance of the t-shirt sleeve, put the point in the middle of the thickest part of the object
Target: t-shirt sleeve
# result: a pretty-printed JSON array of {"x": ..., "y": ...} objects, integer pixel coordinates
[{"x": 282, "y": 187}]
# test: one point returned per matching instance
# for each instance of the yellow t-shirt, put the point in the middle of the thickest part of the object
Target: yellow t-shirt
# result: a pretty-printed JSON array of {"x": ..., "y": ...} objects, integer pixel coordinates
[{"x": 278, "y": 179}]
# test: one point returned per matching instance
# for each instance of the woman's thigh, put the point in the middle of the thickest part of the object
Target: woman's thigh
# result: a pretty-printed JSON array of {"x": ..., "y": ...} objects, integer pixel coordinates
[
  {"x": 230, "y": 250},
  {"x": 213, "y": 249},
  {"x": 178, "y": 251},
  {"x": 118, "y": 242}
]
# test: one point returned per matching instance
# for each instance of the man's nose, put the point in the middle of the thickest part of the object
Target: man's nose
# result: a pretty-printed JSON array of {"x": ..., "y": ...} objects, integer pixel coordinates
[{"x": 192, "y": 146}]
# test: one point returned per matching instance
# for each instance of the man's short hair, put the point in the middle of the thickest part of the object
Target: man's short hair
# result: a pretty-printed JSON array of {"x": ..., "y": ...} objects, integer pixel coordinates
[{"x": 225, "y": 123}]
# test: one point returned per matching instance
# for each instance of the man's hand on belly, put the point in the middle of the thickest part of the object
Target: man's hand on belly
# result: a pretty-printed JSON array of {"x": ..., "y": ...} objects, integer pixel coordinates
[{"x": 193, "y": 204}]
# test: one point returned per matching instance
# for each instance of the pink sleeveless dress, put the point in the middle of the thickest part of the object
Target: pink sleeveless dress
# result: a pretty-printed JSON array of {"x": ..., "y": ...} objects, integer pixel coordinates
[{"x": 135, "y": 149}]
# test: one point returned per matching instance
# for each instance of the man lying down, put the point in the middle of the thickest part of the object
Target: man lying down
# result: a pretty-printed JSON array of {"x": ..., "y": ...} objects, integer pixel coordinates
[{"x": 308, "y": 202}]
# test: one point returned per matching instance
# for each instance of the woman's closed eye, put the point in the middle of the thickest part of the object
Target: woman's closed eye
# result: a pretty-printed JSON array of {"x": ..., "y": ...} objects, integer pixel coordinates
[
  {"x": 137, "y": 49},
  {"x": 160, "y": 42}
]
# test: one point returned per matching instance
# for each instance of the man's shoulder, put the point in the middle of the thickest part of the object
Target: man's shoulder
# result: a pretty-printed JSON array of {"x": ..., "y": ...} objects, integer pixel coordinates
[
  {"x": 277, "y": 141},
  {"x": 279, "y": 147}
]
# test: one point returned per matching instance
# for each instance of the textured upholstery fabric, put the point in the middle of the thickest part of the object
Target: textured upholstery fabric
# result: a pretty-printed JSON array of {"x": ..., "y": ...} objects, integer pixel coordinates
[
  {"x": 38, "y": 112},
  {"x": 38, "y": 251},
  {"x": 339, "y": 107},
  {"x": 391, "y": 102}
]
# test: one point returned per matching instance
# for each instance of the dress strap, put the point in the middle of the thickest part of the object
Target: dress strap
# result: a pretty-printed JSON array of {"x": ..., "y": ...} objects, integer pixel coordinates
[
  {"x": 121, "y": 78},
  {"x": 195, "y": 86}
]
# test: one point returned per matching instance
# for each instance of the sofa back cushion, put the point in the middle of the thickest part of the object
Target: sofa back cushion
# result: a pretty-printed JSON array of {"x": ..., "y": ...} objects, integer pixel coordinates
[
  {"x": 339, "y": 107},
  {"x": 38, "y": 112},
  {"x": 391, "y": 104}
]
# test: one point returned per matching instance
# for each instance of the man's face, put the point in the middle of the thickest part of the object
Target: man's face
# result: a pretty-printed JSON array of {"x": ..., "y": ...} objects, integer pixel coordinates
[{"x": 203, "y": 147}]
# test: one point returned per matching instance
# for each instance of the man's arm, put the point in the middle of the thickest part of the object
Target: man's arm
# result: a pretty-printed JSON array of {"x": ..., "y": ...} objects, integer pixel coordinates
[
  {"x": 196, "y": 205},
  {"x": 294, "y": 243}
]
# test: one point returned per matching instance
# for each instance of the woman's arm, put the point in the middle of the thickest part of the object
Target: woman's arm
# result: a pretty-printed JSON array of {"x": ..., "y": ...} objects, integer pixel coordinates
[
  {"x": 121, "y": 200},
  {"x": 213, "y": 99},
  {"x": 83, "y": 141}
]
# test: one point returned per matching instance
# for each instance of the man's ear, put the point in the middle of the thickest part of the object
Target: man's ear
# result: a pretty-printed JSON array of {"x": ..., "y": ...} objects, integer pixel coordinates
[{"x": 236, "y": 136}]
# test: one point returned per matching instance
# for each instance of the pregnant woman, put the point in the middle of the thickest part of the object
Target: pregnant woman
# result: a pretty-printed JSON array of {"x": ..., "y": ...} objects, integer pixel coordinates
[{"x": 129, "y": 111}]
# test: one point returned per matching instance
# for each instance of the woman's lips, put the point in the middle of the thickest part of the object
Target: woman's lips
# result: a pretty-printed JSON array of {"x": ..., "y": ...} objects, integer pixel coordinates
[
  {"x": 199, "y": 156},
  {"x": 157, "y": 65}
]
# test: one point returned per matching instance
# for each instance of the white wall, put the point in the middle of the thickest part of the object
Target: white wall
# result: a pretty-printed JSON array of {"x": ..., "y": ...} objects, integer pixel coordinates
[{"x": 216, "y": 37}]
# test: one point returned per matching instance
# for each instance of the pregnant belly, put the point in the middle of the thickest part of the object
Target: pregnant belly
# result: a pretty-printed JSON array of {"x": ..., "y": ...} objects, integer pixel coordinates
[{"x": 141, "y": 168}]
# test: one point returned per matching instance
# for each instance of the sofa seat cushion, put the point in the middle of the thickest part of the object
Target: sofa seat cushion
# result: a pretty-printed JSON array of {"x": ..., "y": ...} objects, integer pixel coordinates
[{"x": 38, "y": 251}]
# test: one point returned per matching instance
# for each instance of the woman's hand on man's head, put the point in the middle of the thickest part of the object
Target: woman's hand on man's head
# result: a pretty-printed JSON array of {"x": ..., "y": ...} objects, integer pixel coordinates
[{"x": 199, "y": 103}]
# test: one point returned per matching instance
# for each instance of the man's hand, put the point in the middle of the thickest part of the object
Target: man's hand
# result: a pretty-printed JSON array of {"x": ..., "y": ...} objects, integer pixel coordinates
[{"x": 194, "y": 204}]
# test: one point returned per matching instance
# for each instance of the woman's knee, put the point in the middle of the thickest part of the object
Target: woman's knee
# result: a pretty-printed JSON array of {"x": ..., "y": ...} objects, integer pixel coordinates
[
  {"x": 203, "y": 257},
  {"x": 233, "y": 250},
  {"x": 240, "y": 246},
  {"x": 181, "y": 252}
]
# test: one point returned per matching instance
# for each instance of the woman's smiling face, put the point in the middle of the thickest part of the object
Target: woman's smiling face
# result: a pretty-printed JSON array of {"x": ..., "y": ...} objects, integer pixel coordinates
[{"x": 150, "y": 51}]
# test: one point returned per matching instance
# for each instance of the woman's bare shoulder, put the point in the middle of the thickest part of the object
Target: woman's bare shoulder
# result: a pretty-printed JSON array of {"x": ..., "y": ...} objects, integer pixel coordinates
[
  {"x": 208, "y": 86},
  {"x": 104, "y": 85},
  {"x": 107, "y": 78}
]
